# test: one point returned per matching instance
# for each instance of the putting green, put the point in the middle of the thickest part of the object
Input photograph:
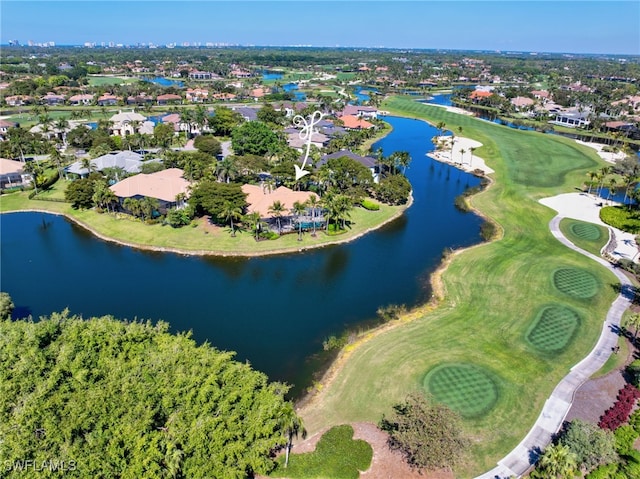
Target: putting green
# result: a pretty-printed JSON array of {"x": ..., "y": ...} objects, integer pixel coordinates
[
  {"x": 553, "y": 329},
  {"x": 465, "y": 388},
  {"x": 585, "y": 231},
  {"x": 575, "y": 282}
]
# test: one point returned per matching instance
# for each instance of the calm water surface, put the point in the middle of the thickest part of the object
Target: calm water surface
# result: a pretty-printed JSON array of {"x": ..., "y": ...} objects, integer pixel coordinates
[{"x": 274, "y": 311}]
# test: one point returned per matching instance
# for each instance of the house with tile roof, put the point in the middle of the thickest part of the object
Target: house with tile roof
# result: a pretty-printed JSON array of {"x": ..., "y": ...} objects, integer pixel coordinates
[
  {"x": 196, "y": 95},
  {"x": 12, "y": 174},
  {"x": 351, "y": 122},
  {"x": 83, "y": 99},
  {"x": 168, "y": 99},
  {"x": 366, "y": 161},
  {"x": 130, "y": 162},
  {"x": 164, "y": 185},
  {"x": 260, "y": 198},
  {"x": 107, "y": 100},
  {"x": 128, "y": 123}
]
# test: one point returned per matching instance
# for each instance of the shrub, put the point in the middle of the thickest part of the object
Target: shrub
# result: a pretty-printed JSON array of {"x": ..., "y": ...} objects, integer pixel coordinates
[
  {"x": 369, "y": 205},
  {"x": 591, "y": 445},
  {"x": 619, "y": 413},
  {"x": 178, "y": 218},
  {"x": 391, "y": 312},
  {"x": 633, "y": 370},
  {"x": 622, "y": 218},
  {"x": 428, "y": 434},
  {"x": 333, "y": 342},
  {"x": 488, "y": 230},
  {"x": 607, "y": 471},
  {"x": 625, "y": 436},
  {"x": 393, "y": 190}
]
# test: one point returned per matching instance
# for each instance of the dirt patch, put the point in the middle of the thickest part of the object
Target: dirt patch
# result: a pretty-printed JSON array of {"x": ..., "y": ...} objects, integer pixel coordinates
[
  {"x": 386, "y": 463},
  {"x": 595, "y": 396}
]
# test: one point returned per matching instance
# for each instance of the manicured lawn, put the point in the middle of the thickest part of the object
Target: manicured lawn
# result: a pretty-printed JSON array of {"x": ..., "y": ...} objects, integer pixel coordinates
[
  {"x": 201, "y": 237},
  {"x": 337, "y": 456},
  {"x": 101, "y": 81},
  {"x": 588, "y": 236},
  {"x": 493, "y": 297}
]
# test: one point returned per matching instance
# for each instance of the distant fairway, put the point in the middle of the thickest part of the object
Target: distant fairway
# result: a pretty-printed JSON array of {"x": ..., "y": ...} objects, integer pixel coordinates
[{"x": 105, "y": 80}]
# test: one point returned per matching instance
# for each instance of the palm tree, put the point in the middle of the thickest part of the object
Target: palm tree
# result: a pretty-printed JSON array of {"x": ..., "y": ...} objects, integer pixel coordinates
[
  {"x": 148, "y": 205},
  {"x": 226, "y": 169},
  {"x": 462, "y": 152},
  {"x": 471, "y": 150},
  {"x": 634, "y": 322},
  {"x": 180, "y": 198},
  {"x": 133, "y": 206},
  {"x": 276, "y": 210},
  {"x": 268, "y": 184},
  {"x": 611, "y": 187},
  {"x": 298, "y": 210},
  {"x": 630, "y": 179},
  {"x": 255, "y": 222},
  {"x": 312, "y": 203},
  {"x": 440, "y": 126},
  {"x": 557, "y": 462},
  {"x": 592, "y": 176},
  {"x": 229, "y": 213},
  {"x": 292, "y": 426}
]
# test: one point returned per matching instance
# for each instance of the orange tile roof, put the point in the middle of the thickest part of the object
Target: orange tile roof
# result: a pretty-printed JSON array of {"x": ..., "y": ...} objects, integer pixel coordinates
[
  {"x": 260, "y": 199},
  {"x": 163, "y": 185},
  {"x": 354, "y": 122}
]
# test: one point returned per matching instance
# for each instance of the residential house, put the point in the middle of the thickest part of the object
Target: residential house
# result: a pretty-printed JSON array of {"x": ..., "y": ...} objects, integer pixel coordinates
[
  {"x": 130, "y": 162},
  {"x": 541, "y": 95},
  {"x": 128, "y": 123},
  {"x": 4, "y": 128},
  {"x": 12, "y": 174},
  {"x": 317, "y": 139},
  {"x": 168, "y": 99},
  {"x": 249, "y": 114},
  {"x": 83, "y": 99},
  {"x": 200, "y": 75},
  {"x": 164, "y": 185},
  {"x": 197, "y": 95},
  {"x": 361, "y": 111},
  {"x": 52, "y": 99},
  {"x": 522, "y": 103},
  {"x": 140, "y": 99},
  {"x": 354, "y": 123},
  {"x": 477, "y": 96},
  {"x": 224, "y": 96},
  {"x": 260, "y": 198},
  {"x": 107, "y": 100},
  {"x": 258, "y": 93},
  {"x": 366, "y": 161},
  {"x": 572, "y": 118},
  {"x": 18, "y": 100}
]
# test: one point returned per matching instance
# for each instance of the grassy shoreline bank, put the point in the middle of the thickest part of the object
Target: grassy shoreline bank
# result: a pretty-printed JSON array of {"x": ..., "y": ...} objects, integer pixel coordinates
[{"x": 493, "y": 294}]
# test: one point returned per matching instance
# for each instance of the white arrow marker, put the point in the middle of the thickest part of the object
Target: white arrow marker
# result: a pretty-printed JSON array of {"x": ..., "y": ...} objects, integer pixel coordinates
[{"x": 306, "y": 133}]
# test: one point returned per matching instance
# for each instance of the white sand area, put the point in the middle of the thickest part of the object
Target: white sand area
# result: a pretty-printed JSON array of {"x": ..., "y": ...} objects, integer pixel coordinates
[
  {"x": 607, "y": 156},
  {"x": 462, "y": 157},
  {"x": 585, "y": 207}
]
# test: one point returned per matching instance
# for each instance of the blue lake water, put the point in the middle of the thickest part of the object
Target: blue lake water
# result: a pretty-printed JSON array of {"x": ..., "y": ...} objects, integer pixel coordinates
[
  {"x": 443, "y": 99},
  {"x": 274, "y": 311},
  {"x": 272, "y": 76},
  {"x": 165, "y": 82},
  {"x": 362, "y": 95},
  {"x": 297, "y": 94}
]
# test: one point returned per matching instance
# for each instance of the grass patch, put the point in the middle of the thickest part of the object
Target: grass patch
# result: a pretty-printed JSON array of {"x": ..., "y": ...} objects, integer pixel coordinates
[
  {"x": 490, "y": 293},
  {"x": 615, "y": 361},
  {"x": 553, "y": 329},
  {"x": 622, "y": 218},
  {"x": 105, "y": 80},
  {"x": 575, "y": 282},
  {"x": 587, "y": 236},
  {"x": 465, "y": 388},
  {"x": 337, "y": 456}
]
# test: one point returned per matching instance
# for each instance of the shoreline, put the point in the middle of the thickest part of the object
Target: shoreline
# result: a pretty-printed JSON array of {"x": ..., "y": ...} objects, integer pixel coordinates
[{"x": 226, "y": 254}]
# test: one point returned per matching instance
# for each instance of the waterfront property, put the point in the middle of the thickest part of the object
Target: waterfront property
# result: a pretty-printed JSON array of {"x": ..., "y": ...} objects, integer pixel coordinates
[
  {"x": 13, "y": 175},
  {"x": 128, "y": 162},
  {"x": 166, "y": 186}
]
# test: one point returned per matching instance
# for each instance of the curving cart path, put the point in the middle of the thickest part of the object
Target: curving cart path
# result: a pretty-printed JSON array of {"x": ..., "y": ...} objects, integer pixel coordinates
[{"x": 555, "y": 409}]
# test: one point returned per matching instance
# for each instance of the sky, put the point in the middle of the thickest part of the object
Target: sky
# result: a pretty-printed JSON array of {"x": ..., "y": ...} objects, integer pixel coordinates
[{"x": 568, "y": 26}]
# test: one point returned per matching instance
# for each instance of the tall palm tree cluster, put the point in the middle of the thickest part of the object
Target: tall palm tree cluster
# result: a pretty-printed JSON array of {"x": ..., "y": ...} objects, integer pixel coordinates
[{"x": 613, "y": 179}]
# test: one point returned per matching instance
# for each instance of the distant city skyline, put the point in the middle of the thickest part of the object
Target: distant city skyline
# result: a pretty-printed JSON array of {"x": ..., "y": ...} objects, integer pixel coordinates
[{"x": 565, "y": 26}]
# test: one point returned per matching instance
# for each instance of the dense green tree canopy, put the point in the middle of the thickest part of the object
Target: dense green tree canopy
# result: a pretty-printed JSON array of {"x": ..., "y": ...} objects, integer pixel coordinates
[
  {"x": 224, "y": 121},
  {"x": 393, "y": 190},
  {"x": 591, "y": 445},
  {"x": 255, "y": 138},
  {"x": 208, "y": 144},
  {"x": 210, "y": 197},
  {"x": 131, "y": 400}
]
